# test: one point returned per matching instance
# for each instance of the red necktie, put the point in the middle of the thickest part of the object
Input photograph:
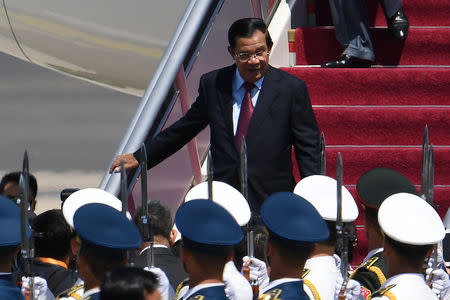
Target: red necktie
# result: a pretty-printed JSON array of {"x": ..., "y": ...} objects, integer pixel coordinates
[{"x": 245, "y": 114}]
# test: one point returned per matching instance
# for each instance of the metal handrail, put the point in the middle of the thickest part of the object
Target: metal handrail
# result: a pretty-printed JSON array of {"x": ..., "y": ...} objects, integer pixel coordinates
[{"x": 160, "y": 85}]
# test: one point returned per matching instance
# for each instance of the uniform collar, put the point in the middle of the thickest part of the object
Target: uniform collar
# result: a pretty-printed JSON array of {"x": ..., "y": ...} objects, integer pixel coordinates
[
  {"x": 278, "y": 282},
  {"x": 199, "y": 287}
]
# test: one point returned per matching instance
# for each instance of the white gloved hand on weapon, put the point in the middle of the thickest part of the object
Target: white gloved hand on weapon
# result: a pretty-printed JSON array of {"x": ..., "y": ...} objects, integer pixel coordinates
[
  {"x": 352, "y": 290},
  {"x": 164, "y": 287},
  {"x": 41, "y": 290},
  {"x": 258, "y": 271},
  {"x": 440, "y": 283}
]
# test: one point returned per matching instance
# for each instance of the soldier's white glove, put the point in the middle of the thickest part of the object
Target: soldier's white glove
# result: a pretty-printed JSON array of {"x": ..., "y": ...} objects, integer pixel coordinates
[
  {"x": 41, "y": 290},
  {"x": 440, "y": 283},
  {"x": 352, "y": 290},
  {"x": 236, "y": 286},
  {"x": 164, "y": 287},
  {"x": 258, "y": 271}
]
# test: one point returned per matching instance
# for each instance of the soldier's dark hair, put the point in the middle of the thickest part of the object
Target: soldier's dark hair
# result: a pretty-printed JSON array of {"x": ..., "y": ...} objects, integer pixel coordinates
[
  {"x": 53, "y": 234},
  {"x": 15, "y": 177},
  {"x": 160, "y": 217},
  {"x": 125, "y": 283},
  {"x": 101, "y": 259},
  {"x": 413, "y": 254},
  {"x": 245, "y": 28},
  {"x": 293, "y": 251}
]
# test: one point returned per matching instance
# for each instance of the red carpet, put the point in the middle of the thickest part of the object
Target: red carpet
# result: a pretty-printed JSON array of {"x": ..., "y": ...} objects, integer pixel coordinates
[
  {"x": 424, "y": 46},
  {"x": 375, "y": 117},
  {"x": 419, "y": 12},
  {"x": 387, "y": 86}
]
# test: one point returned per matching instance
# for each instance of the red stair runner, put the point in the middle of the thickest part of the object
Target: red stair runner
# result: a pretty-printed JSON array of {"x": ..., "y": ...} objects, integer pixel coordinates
[{"x": 375, "y": 117}]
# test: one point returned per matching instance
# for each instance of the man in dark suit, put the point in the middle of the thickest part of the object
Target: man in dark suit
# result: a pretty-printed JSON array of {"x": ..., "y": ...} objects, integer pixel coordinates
[
  {"x": 282, "y": 118},
  {"x": 161, "y": 226},
  {"x": 352, "y": 32}
]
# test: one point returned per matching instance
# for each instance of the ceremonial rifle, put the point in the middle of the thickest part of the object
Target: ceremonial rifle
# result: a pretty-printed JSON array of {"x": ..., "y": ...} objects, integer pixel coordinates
[
  {"x": 250, "y": 233},
  {"x": 209, "y": 175},
  {"x": 425, "y": 164},
  {"x": 147, "y": 231},
  {"x": 27, "y": 243},
  {"x": 124, "y": 199},
  {"x": 323, "y": 156},
  {"x": 341, "y": 234}
]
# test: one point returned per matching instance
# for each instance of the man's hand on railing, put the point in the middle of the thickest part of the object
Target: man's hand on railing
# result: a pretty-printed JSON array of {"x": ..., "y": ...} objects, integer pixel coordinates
[{"x": 129, "y": 163}]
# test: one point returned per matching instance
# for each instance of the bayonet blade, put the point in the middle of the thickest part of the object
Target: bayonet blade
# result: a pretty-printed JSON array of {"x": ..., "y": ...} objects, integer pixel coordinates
[
  {"x": 144, "y": 206},
  {"x": 244, "y": 172},
  {"x": 430, "y": 179},
  {"x": 425, "y": 156},
  {"x": 341, "y": 235},
  {"x": 210, "y": 174},
  {"x": 323, "y": 156},
  {"x": 123, "y": 188}
]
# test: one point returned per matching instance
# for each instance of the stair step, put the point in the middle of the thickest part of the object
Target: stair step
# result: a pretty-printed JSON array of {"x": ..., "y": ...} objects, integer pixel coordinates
[
  {"x": 383, "y": 125},
  {"x": 419, "y": 12},
  {"x": 424, "y": 46},
  {"x": 408, "y": 161},
  {"x": 376, "y": 86}
]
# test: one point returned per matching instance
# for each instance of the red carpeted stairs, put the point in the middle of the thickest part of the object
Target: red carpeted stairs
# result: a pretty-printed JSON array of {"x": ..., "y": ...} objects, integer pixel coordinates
[{"x": 376, "y": 116}]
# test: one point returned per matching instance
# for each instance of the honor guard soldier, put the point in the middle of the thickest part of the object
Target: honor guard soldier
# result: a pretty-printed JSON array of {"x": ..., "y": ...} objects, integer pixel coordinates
[
  {"x": 208, "y": 235},
  {"x": 322, "y": 267},
  {"x": 373, "y": 187},
  {"x": 105, "y": 235},
  {"x": 412, "y": 227},
  {"x": 10, "y": 240},
  {"x": 294, "y": 226},
  {"x": 236, "y": 285}
]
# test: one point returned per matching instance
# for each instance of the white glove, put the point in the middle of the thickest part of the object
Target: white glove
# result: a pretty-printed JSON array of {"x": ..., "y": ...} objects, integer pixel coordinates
[
  {"x": 236, "y": 286},
  {"x": 164, "y": 287},
  {"x": 440, "y": 283},
  {"x": 352, "y": 290},
  {"x": 258, "y": 271},
  {"x": 41, "y": 290}
]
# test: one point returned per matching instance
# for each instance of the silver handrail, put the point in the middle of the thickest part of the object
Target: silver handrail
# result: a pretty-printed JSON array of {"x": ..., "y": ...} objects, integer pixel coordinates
[{"x": 159, "y": 86}]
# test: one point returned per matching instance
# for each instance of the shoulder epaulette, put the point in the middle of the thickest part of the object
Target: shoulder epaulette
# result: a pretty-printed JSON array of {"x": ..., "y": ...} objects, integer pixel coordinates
[
  {"x": 371, "y": 265},
  {"x": 312, "y": 288},
  {"x": 197, "y": 297},
  {"x": 181, "y": 285},
  {"x": 384, "y": 292},
  {"x": 72, "y": 292},
  {"x": 272, "y": 295},
  {"x": 305, "y": 272}
]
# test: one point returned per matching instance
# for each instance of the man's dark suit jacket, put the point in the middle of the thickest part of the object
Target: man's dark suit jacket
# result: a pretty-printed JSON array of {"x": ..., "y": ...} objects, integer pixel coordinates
[
  {"x": 282, "y": 118},
  {"x": 166, "y": 261}
]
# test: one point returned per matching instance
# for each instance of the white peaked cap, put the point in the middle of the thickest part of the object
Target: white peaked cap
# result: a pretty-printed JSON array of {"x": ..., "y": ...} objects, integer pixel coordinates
[
  {"x": 321, "y": 192},
  {"x": 408, "y": 219},
  {"x": 86, "y": 196},
  {"x": 226, "y": 196}
]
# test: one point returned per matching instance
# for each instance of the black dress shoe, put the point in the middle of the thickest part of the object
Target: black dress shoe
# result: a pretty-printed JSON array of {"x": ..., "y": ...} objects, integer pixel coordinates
[
  {"x": 398, "y": 25},
  {"x": 348, "y": 61}
]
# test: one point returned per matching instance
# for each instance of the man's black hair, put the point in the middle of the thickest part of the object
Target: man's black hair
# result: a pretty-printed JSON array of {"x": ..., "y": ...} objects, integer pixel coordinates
[
  {"x": 54, "y": 235},
  {"x": 159, "y": 216},
  {"x": 245, "y": 28},
  {"x": 101, "y": 259},
  {"x": 15, "y": 177},
  {"x": 415, "y": 254},
  {"x": 128, "y": 283}
]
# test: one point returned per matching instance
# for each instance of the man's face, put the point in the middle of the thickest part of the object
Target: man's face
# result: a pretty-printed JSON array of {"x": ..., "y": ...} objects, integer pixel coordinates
[{"x": 251, "y": 56}]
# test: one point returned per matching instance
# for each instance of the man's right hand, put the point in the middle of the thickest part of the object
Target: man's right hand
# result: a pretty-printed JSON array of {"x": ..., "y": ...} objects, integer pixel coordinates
[{"x": 129, "y": 163}]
